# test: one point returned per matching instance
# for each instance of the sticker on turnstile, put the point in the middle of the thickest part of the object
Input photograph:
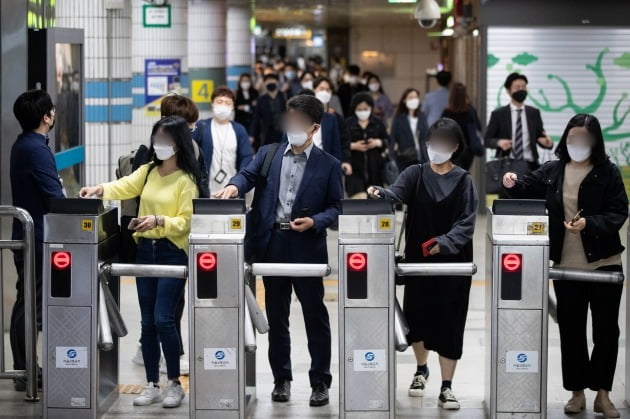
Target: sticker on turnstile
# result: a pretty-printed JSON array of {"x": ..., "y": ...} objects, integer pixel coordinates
[
  {"x": 385, "y": 224},
  {"x": 71, "y": 356},
  {"x": 219, "y": 358},
  {"x": 77, "y": 402},
  {"x": 87, "y": 225},
  {"x": 370, "y": 360},
  {"x": 536, "y": 228},
  {"x": 521, "y": 361},
  {"x": 236, "y": 223}
]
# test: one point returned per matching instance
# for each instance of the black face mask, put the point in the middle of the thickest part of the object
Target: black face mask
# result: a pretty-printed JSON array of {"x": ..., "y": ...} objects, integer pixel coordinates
[
  {"x": 520, "y": 96},
  {"x": 271, "y": 87}
]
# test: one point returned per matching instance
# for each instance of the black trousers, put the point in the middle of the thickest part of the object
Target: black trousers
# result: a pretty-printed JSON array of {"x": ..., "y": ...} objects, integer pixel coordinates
[
  {"x": 310, "y": 293},
  {"x": 17, "y": 335},
  {"x": 579, "y": 371}
]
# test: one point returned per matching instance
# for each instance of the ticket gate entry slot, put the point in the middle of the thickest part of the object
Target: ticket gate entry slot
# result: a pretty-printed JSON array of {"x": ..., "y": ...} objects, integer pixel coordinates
[
  {"x": 80, "y": 370},
  {"x": 222, "y": 381},
  {"x": 516, "y": 309}
]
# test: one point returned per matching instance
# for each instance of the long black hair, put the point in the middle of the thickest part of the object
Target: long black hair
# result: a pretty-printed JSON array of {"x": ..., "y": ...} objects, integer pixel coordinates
[
  {"x": 178, "y": 130},
  {"x": 591, "y": 123}
]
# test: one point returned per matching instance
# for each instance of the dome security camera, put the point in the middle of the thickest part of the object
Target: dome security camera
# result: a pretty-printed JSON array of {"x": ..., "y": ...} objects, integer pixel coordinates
[{"x": 427, "y": 13}]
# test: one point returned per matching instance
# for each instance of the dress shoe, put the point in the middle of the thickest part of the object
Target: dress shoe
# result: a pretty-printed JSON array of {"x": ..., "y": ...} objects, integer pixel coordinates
[
  {"x": 606, "y": 407},
  {"x": 576, "y": 404},
  {"x": 319, "y": 396},
  {"x": 281, "y": 391}
]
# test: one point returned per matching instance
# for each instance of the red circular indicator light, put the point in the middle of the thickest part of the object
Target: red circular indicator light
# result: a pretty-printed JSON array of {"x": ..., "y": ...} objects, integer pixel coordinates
[
  {"x": 357, "y": 261},
  {"x": 207, "y": 261},
  {"x": 512, "y": 262},
  {"x": 61, "y": 260}
]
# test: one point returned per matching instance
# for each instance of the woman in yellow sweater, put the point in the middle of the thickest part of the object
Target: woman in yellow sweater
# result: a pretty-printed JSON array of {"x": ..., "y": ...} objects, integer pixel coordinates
[{"x": 166, "y": 188}]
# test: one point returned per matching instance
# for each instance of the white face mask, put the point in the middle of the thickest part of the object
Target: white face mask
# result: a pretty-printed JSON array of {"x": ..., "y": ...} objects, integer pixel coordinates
[
  {"x": 245, "y": 85},
  {"x": 363, "y": 115},
  {"x": 164, "y": 152},
  {"x": 579, "y": 153},
  {"x": 374, "y": 87},
  {"x": 323, "y": 96},
  {"x": 412, "y": 104},
  {"x": 307, "y": 84},
  {"x": 222, "y": 111},
  {"x": 438, "y": 157},
  {"x": 297, "y": 138}
]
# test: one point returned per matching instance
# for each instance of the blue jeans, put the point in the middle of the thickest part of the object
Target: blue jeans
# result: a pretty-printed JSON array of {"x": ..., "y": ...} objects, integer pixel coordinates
[{"x": 158, "y": 299}]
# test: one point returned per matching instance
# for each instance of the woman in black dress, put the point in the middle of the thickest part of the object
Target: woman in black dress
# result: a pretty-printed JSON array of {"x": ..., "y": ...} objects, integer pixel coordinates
[
  {"x": 246, "y": 97},
  {"x": 368, "y": 142},
  {"x": 442, "y": 205}
]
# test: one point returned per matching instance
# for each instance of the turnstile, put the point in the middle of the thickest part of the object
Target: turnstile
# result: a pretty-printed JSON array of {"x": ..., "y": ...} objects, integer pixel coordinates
[
  {"x": 517, "y": 256},
  {"x": 367, "y": 360},
  {"x": 80, "y": 381},
  {"x": 223, "y": 382}
]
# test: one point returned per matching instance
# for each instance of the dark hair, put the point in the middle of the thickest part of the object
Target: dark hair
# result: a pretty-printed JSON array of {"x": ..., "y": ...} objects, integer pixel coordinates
[
  {"x": 444, "y": 78},
  {"x": 308, "y": 92},
  {"x": 354, "y": 69},
  {"x": 305, "y": 73},
  {"x": 177, "y": 129},
  {"x": 31, "y": 107},
  {"x": 591, "y": 123},
  {"x": 513, "y": 77},
  {"x": 371, "y": 76},
  {"x": 223, "y": 91},
  {"x": 323, "y": 79},
  {"x": 270, "y": 76},
  {"x": 359, "y": 98},
  {"x": 240, "y": 79},
  {"x": 402, "y": 109},
  {"x": 448, "y": 129},
  {"x": 308, "y": 105},
  {"x": 458, "y": 101},
  {"x": 178, "y": 105}
]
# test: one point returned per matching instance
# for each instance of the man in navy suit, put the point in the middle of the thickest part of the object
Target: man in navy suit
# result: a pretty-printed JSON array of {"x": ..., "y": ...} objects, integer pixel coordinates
[{"x": 299, "y": 200}]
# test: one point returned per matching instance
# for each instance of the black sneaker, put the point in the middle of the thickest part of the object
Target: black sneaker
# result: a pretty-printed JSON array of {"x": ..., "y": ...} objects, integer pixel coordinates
[
  {"x": 447, "y": 400},
  {"x": 419, "y": 383}
]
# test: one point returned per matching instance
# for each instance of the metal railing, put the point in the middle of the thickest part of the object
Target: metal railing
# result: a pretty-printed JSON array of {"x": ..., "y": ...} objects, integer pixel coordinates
[{"x": 27, "y": 245}]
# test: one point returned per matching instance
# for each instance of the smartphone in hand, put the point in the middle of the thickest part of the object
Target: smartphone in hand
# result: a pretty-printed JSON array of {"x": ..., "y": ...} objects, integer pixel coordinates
[{"x": 133, "y": 224}]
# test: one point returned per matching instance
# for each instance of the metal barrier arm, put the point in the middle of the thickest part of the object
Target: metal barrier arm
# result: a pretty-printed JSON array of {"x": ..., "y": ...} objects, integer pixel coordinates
[
  {"x": 249, "y": 336},
  {"x": 563, "y": 274},
  {"x": 115, "y": 318},
  {"x": 106, "y": 341},
  {"x": 256, "y": 315},
  {"x": 401, "y": 328},
  {"x": 130, "y": 269},
  {"x": 436, "y": 269},
  {"x": 30, "y": 299},
  {"x": 288, "y": 269}
]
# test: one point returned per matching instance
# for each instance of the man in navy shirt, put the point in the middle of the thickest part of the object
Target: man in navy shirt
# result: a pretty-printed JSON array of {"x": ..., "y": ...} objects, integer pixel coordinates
[{"x": 34, "y": 181}]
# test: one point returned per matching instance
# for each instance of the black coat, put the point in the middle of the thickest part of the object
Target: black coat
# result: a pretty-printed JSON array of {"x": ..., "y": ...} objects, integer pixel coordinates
[
  {"x": 602, "y": 199},
  {"x": 241, "y": 116},
  {"x": 403, "y": 138},
  {"x": 500, "y": 127},
  {"x": 367, "y": 167},
  {"x": 266, "y": 127}
]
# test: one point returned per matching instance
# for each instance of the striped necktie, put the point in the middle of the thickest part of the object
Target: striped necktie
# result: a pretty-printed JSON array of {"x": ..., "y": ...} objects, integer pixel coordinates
[{"x": 518, "y": 137}]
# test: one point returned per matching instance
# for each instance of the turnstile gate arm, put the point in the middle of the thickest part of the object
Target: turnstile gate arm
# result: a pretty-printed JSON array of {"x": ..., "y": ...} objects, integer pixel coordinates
[
  {"x": 106, "y": 341},
  {"x": 436, "y": 269},
  {"x": 115, "y": 318},
  {"x": 563, "y": 274},
  {"x": 288, "y": 269},
  {"x": 131, "y": 269},
  {"x": 401, "y": 328},
  {"x": 256, "y": 315},
  {"x": 249, "y": 336}
]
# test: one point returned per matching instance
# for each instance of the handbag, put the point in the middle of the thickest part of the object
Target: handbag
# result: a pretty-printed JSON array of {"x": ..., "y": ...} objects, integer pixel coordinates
[
  {"x": 495, "y": 170},
  {"x": 474, "y": 136}
]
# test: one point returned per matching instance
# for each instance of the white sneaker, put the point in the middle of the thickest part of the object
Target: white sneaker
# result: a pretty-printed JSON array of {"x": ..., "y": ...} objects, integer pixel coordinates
[
  {"x": 138, "y": 359},
  {"x": 150, "y": 394},
  {"x": 447, "y": 400},
  {"x": 184, "y": 368},
  {"x": 419, "y": 383},
  {"x": 173, "y": 395}
]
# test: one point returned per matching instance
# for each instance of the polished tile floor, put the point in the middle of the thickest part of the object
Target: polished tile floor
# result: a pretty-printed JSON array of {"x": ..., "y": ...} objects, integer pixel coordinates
[{"x": 468, "y": 384}]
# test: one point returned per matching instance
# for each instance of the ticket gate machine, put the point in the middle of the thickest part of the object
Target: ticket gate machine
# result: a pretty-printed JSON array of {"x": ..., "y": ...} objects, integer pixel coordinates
[
  {"x": 517, "y": 256},
  {"x": 218, "y": 319},
  {"x": 80, "y": 381},
  {"x": 367, "y": 361}
]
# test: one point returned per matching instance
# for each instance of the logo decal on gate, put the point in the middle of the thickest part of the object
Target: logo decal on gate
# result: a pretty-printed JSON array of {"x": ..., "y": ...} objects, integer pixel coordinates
[
  {"x": 369, "y": 356},
  {"x": 522, "y": 358},
  {"x": 219, "y": 355},
  {"x": 71, "y": 353}
]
